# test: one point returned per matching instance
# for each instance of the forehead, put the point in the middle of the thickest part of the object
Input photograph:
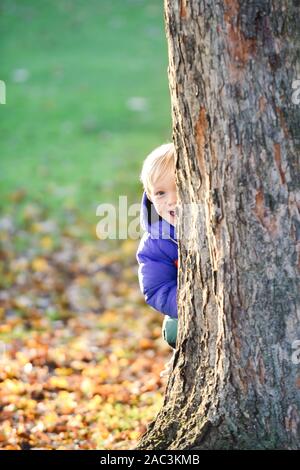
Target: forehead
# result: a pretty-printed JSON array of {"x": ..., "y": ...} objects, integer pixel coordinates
[{"x": 168, "y": 179}]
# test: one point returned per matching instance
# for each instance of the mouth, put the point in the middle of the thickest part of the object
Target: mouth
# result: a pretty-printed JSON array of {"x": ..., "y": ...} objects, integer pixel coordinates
[{"x": 172, "y": 213}]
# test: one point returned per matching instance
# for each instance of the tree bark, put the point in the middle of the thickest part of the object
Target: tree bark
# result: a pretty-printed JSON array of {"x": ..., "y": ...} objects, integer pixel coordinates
[{"x": 236, "y": 377}]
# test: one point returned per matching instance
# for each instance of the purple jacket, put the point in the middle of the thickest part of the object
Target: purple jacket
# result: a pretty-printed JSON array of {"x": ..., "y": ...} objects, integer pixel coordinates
[{"x": 157, "y": 256}]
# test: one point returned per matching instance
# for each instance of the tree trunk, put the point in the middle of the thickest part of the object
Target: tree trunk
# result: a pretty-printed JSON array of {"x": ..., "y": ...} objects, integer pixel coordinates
[{"x": 236, "y": 378}]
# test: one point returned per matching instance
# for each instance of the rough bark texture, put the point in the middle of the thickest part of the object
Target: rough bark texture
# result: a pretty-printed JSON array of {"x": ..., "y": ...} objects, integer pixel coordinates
[{"x": 234, "y": 383}]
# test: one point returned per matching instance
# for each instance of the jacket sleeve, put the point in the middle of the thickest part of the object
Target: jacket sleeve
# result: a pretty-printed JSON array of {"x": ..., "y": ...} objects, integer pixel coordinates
[{"x": 158, "y": 278}]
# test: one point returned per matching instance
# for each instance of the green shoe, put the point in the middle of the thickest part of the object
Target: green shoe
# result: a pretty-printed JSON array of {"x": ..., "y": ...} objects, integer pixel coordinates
[{"x": 169, "y": 330}]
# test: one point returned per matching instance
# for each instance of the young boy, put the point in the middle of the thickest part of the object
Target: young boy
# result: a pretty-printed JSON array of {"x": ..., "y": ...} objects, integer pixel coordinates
[{"x": 157, "y": 253}]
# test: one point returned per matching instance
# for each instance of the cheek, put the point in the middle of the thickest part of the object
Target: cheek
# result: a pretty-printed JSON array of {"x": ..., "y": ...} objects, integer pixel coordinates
[{"x": 159, "y": 207}]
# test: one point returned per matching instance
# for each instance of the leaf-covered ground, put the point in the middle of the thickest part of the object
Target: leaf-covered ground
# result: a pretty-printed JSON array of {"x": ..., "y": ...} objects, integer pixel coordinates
[{"x": 80, "y": 352}]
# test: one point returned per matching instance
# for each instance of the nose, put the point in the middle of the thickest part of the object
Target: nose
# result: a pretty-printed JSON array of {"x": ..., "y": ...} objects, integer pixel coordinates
[{"x": 172, "y": 200}]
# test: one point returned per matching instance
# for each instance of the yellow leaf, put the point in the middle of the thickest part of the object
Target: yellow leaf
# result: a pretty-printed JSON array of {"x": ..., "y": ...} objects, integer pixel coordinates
[
  {"x": 87, "y": 387},
  {"x": 5, "y": 328},
  {"x": 66, "y": 402},
  {"x": 46, "y": 242},
  {"x": 13, "y": 386},
  {"x": 94, "y": 403},
  {"x": 58, "y": 382},
  {"x": 40, "y": 265},
  {"x": 63, "y": 371},
  {"x": 50, "y": 419},
  {"x": 134, "y": 435}
]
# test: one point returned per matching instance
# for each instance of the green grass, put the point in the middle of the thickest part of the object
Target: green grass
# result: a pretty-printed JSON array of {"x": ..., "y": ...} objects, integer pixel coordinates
[{"x": 67, "y": 137}]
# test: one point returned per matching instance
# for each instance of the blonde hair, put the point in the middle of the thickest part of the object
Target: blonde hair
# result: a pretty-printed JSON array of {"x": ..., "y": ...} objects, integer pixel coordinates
[{"x": 156, "y": 165}]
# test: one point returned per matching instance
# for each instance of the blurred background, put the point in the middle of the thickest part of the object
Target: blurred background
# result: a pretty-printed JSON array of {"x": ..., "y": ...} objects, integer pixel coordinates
[{"x": 86, "y": 100}]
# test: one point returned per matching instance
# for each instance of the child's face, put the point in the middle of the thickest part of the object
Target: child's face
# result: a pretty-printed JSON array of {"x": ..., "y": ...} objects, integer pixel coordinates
[{"x": 164, "y": 197}]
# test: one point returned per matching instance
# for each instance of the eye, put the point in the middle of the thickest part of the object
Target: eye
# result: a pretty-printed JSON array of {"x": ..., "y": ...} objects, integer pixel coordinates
[{"x": 159, "y": 193}]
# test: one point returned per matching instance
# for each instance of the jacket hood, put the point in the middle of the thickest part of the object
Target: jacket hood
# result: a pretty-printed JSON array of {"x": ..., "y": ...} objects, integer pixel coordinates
[{"x": 152, "y": 223}]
